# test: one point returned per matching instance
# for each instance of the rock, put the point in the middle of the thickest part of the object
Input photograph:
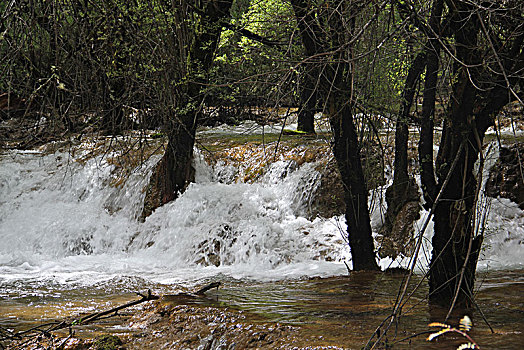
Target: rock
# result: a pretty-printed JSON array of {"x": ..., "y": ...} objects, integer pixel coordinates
[
  {"x": 506, "y": 176},
  {"x": 400, "y": 239},
  {"x": 107, "y": 342},
  {"x": 328, "y": 199}
]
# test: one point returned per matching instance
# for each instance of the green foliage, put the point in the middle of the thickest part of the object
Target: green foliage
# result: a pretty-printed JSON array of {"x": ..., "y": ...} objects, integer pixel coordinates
[
  {"x": 248, "y": 71},
  {"x": 72, "y": 57}
]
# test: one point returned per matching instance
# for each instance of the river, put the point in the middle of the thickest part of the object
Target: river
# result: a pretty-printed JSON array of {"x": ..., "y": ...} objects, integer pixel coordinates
[{"x": 70, "y": 243}]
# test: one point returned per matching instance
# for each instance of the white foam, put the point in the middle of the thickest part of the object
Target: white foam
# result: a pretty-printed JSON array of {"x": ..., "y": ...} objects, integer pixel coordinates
[{"x": 63, "y": 221}]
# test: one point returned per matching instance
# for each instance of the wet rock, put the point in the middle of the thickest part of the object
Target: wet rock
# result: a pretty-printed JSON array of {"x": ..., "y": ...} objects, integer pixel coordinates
[
  {"x": 400, "y": 239},
  {"x": 328, "y": 199},
  {"x": 108, "y": 342},
  {"x": 210, "y": 251},
  {"x": 506, "y": 176}
]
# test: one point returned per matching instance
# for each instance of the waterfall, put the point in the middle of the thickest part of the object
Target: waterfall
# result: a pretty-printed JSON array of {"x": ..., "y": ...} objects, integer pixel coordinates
[{"x": 68, "y": 219}]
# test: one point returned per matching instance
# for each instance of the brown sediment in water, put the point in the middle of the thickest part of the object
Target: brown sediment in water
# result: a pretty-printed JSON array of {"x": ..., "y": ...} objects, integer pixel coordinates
[
  {"x": 172, "y": 326},
  {"x": 315, "y": 313}
]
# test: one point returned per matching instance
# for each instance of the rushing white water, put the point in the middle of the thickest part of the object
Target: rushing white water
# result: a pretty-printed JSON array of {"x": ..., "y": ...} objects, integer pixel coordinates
[
  {"x": 64, "y": 221},
  {"x": 500, "y": 220}
]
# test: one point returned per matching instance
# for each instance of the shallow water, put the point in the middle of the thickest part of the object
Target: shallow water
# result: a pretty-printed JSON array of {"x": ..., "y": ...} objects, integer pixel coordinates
[{"x": 339, "y": 311}]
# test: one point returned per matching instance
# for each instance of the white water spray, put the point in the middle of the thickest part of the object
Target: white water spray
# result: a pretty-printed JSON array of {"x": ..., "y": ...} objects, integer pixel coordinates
[{"x": 63, "y": 220}]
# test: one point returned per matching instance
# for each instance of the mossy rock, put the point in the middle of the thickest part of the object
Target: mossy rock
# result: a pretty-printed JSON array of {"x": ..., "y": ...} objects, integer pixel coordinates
[
  {"x": 107, "y": 342},
  {"x": 294, "y": 132}
]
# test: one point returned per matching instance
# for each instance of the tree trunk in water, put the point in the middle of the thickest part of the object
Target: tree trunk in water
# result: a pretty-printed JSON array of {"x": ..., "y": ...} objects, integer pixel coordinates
[
  {"x": 334, "y": 87},
  {"x": 347, "y": 155},
  {"x": 455, "y": 248},
  {"x": 175, "y": 171},
  {"x": 485, "y": 76}
]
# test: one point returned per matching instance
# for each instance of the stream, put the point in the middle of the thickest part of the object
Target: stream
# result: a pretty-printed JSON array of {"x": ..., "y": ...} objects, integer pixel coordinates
[{"x": 70, "y": 243}]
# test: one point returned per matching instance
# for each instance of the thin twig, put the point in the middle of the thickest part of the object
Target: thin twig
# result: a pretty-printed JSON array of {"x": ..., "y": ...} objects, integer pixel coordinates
[{"x": 58, "y": 325}]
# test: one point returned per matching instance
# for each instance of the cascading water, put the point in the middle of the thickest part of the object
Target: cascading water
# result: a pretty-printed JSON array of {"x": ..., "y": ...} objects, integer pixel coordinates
[
  {"x": 71, "y": 243},
  {"x": 64, "y": 220}
]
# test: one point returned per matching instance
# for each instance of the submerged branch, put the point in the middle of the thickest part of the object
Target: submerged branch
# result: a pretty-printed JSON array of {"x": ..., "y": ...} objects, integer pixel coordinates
[
  {"x": 95, "y": 316},
  {"x": 47, "y": 328}
]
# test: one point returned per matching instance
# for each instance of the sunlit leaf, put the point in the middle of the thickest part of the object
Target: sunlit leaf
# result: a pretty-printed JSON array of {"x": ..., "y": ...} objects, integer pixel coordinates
[
  {"x": 466, "y": 324},
  {"x": 438, "y": 324},
  {"x": 467, "y": 346},
  {"x": 436, "y": 334}
]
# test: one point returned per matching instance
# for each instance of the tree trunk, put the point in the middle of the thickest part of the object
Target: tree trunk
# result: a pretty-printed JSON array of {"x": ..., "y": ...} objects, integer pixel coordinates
[
  {"x": 347, "y": 155},
  {"x": 335, "y": 88},
  {"x": 455, "y": 250},
  {"x": 453, "y": 230},
  {"x": 311, "y": 35},
  {"x": 486, "y": 74},
  {"x": 175, "y": 171},
  {"x": 308, "y": 100},
  {"x": 403, "y": 189},
  {"x": 427, "y": 176}
]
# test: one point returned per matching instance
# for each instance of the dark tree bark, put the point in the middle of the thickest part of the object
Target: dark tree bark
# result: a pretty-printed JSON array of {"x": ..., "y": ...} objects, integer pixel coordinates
[
  {"x": 455, "y": 251},
  {"x": 308, "y": 101},
  {"x": 334, "y": 87},
  {"x": 486, "y": 74},
  {"x": 425, "y": 147},
  {"x": 312, "y": 38},
  {"x": 478, "y": 94},
  {"x": 347, "y": 155},
  {"x": 175, "y": 171}
]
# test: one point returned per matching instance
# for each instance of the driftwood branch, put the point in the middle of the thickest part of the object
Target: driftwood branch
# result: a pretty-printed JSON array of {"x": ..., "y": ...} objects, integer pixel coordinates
[
  {"x": 46, "y": 328},
  {"x": 98, "y": 315},
  {"x": 208, "y": 287}
]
